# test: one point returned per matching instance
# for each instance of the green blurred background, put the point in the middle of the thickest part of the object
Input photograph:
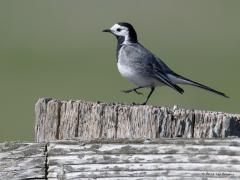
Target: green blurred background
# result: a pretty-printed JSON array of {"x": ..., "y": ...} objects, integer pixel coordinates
[{"x": 55, "y": 48}]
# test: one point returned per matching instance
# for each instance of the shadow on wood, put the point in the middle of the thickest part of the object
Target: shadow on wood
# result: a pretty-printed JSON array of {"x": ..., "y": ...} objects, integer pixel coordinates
[{"x": 56, "y": 120}]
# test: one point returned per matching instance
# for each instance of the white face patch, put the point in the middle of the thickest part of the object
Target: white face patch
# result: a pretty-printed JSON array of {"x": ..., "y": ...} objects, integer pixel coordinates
[{"x": 121, "y": 31}]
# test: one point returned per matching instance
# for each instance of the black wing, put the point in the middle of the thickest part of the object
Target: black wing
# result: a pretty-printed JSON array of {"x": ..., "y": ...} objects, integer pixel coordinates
[{"x": 160, "y": 74}]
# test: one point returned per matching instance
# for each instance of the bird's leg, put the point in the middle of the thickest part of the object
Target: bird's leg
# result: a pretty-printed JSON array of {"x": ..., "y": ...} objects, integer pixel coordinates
[
  {"x": 149, "y": 95},
  {"x": 133, "y": 90}
]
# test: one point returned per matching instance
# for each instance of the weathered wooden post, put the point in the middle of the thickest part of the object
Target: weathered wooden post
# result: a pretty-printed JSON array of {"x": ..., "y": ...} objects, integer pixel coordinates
[
  {"x": 57, "y": 120},
  {"x": 104, "y": 152},
  {"x": 89, "y": 140}
]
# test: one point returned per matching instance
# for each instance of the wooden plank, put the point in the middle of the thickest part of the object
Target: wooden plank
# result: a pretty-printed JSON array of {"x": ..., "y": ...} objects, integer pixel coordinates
[
  {"x": 146, "y": 173},
  {"x": 81, "y": 158},
  {"x": 75, "y": 177},
  {"x": 145, "y": 149},
  {"x": 148, "y": 167},
  {"x": 132, "y": 159},
  {"x": 122, "y": 159},
  {"x": 22, "y": 160},
  {"x": 56, "y": 120},
  {"x": 177, "y": 141},
  {"x": 157, "y": 178}
]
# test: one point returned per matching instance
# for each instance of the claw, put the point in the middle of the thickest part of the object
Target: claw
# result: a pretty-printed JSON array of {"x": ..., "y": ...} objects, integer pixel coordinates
[
  {"x": 139, "y": 93},
  {"x": 132, "y": 90},
  {"x": 126, "y": 91},
  {"x": 138, "y": 104}
]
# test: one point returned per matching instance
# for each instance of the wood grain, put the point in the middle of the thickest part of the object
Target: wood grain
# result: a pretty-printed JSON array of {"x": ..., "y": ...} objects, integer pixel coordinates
[
  {"x": 57, "y": 120},
  {"x": 22, "y": 160},
  {"x": 141, "y": 159},
  {"x": 132, "y": 159}
]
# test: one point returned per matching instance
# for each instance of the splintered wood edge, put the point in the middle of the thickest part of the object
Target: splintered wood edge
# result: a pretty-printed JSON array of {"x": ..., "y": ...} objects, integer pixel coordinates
[{"x": 173, "y": 109}]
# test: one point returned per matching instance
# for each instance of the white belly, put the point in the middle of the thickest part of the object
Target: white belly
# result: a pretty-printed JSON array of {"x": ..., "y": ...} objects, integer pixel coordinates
[{"x": 136, "y": 78}]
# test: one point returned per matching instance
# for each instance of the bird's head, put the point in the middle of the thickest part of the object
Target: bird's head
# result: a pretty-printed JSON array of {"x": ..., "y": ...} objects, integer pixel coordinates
[{"x": 124, "y": 32}]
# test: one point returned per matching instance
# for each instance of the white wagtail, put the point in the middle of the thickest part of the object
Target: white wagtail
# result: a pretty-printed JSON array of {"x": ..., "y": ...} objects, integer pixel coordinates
[{"x": 141, "y": 67}]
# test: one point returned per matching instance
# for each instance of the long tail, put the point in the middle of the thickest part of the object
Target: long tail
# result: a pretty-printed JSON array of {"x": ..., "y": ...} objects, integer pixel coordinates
[{"x": 190, "y": 82}]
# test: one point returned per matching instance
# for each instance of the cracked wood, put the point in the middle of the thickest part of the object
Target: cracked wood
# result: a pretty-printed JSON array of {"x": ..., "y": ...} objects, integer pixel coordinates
[
  {"x": 122, "y": 159},
  {"x": 56, "y": 120}
]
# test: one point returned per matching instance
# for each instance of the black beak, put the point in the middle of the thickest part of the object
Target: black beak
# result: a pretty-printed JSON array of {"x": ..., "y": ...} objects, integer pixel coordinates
[{"x": 106, "y": 30}]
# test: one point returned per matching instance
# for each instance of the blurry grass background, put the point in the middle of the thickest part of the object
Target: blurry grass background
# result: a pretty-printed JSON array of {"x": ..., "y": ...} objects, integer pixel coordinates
[{"x": 56, "y": 49}]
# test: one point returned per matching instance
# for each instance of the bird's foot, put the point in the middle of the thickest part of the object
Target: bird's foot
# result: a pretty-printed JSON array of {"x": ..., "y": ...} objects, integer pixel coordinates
[
  {"x": 132, "y": 90},
  {"x": 137, "y": 104},
  {"x": 137, "y": 92}
]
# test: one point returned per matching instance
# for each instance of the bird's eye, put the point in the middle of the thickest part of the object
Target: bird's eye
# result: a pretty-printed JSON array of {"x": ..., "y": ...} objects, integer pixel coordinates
[{"x": 118, "y": 29}]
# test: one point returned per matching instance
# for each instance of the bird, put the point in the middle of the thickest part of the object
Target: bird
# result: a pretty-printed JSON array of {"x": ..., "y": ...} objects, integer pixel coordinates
[{"x": 144, "y": 69}]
